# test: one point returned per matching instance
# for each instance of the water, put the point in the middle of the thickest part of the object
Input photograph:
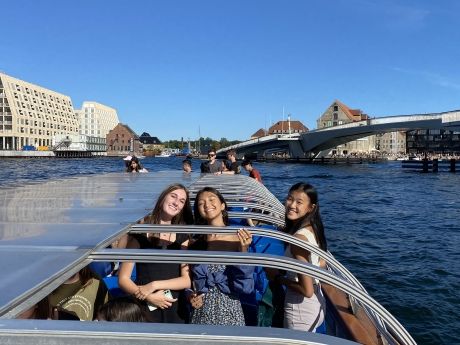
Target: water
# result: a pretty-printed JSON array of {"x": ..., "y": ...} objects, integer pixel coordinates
[{"x": 397, "y": 231}]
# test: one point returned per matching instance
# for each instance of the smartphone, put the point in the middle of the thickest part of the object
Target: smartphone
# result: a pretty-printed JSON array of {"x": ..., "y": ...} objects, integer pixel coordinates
[{"x": 168, "y": 294}]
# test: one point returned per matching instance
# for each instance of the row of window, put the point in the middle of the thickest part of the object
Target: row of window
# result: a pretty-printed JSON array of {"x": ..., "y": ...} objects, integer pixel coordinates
[
  {"x": 44, "y": 124},
  {"x": 40, "y": 94},
  {"x": 48, "y": 118},
  {"x": 60, "y": 111},
  {"x": 119, "y": 148}
]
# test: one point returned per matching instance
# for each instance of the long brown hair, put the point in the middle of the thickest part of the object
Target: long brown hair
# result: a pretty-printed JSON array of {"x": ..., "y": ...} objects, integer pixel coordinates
[{"x": 185, "y": 216}]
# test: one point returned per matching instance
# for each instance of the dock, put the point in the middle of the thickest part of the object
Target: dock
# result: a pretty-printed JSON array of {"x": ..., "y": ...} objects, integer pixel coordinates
[{"x": 425, "y": 165}]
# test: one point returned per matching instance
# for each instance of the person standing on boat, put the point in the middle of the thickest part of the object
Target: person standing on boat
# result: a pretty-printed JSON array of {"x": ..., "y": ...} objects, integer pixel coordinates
[
  {"x": 253, "y": 172},
  {"x": 234, "y": 166},
  {"x": 217, "y": 288},
  {"x": 155, "y": 279},
  {"x": 304, "y": 305},
  {"x": 213, "y": 165}
]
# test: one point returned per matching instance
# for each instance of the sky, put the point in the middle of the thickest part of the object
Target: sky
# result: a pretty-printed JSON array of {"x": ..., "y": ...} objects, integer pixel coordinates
[{"x": 224, "y": 69}]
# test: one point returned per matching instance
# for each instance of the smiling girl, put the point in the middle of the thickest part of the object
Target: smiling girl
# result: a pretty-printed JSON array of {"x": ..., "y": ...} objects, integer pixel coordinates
[
  {"x": 304, "y": 303},
  {"x": 153, "y": 280},
  {"x": 216, "y": 299}
]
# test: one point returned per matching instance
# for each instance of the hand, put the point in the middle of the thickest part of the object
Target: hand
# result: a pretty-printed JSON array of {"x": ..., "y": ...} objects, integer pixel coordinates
[
  {"x": 160, "y": 300},
  {"x": 245, "y": 238},
  {"x": 143, "y": 291},
  {"x": 196, "y": 300}
]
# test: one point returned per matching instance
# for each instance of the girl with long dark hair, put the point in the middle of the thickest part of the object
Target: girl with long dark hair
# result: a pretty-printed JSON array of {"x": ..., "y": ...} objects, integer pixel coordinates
[
  {"x": 155, "y": 279},
  {"x": 217, "y": 288},
  {"x": 304, "y": 304}
]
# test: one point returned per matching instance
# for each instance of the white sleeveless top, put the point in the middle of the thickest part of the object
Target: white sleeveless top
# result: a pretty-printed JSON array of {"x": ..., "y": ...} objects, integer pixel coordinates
[{"x": 315, "y": 260}]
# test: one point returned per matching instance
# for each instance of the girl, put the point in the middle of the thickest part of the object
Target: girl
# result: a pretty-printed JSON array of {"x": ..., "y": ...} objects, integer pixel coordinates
[
  {"x": 154, "y": 280},
  {"x": 304, "y": 303},
  {"x": 217, "y": 287}
]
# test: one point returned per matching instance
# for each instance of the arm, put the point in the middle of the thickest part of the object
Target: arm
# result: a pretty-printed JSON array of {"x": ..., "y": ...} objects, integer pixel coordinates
[
  {"x": 124, "y": 276},
  {"x": 179, "y": 283}
]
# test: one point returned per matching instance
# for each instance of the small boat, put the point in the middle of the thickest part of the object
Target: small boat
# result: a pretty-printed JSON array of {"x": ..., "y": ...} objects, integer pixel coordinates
[
  {"x": 49, "y": 231},
  {"x": 164, "y": 155}
]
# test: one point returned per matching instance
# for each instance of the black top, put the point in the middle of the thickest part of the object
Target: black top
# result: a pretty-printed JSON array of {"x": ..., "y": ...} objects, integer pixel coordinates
[
  {"x": 148, "y": 272},
  {"x": 235, "y": 167}
]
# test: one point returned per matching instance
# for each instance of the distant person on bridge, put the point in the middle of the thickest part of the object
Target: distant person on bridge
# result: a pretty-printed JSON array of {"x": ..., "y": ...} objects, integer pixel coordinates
[{"x": 253, "y": 172}]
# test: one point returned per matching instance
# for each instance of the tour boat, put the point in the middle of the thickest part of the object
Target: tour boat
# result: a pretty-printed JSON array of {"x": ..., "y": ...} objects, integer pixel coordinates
[{"x": 50, "y": 230}]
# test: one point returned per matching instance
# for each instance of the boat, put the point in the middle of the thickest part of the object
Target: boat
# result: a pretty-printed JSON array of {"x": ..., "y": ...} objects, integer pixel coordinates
[
  {"x": 50, "y": 230},
  {"x": 164, "y": 155}
]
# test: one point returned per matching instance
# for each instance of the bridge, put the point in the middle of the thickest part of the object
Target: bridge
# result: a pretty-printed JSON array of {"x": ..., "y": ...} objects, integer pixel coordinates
[{"x": 311, "y": 143}]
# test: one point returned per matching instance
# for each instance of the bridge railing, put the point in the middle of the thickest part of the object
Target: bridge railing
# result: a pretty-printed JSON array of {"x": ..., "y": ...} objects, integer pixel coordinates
[
  {"x": 260, "y": 140},
  {"x": 404, "y": 118}
]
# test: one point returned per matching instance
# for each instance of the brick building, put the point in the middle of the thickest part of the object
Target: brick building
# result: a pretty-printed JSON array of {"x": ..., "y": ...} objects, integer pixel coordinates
[{"x": 122, "y": 140}]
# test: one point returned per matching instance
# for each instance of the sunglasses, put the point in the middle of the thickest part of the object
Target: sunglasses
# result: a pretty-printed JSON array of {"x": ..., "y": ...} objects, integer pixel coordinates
[{"x": 211, "y": 155}]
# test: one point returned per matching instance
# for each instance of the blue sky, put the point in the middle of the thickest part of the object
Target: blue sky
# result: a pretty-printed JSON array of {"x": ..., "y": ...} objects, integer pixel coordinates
[{"x": 175, "y": 68}]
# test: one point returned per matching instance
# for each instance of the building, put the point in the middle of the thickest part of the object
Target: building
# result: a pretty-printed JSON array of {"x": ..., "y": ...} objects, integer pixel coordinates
[
  {"x": 122, "y": 141},
  {"x": 151, "y": 145},
  {"x": 80, "y": 142},
  {"x": 96, "y": 120},
  {"x": 438, "y": 141},
  {"x": 287, "y": 127},
  {"x": 260, "y": 133},
  {"x": 31, "y": 115},
  {"x": 393, "y": 143},
  {"x": 339, "y": 114}
]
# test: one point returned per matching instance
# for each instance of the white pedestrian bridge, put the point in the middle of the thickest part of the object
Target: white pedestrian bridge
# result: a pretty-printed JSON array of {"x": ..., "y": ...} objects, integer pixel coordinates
[{"x": 309, "y": 144}]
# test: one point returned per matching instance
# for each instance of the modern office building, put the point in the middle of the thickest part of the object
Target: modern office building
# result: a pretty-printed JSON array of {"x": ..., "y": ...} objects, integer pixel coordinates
[
  {"x": 97, "y": 120},
  {"x": 30, "y": 115},
  {"x": 437, "y": 141}
]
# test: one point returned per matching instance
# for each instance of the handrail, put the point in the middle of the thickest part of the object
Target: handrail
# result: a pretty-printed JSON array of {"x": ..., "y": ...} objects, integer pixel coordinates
[
  {"x": 254, "y": 259},
  {"x": 278, "y": 235},
  {"x": 258, "y": 216}
]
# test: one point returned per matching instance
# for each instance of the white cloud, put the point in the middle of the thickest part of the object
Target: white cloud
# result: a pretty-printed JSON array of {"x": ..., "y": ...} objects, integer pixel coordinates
[{"x": 433, "y": 78}]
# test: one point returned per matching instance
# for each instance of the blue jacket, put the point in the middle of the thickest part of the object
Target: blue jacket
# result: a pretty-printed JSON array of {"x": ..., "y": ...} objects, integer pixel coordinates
[{"x": 234, "y": 280}]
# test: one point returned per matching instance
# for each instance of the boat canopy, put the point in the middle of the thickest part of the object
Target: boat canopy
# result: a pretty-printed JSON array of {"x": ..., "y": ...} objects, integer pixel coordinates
[{"x": 50, "y": 230}]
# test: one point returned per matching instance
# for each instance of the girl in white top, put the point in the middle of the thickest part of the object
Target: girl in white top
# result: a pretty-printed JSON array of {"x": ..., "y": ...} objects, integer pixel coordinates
[{"x": 304, "y": 303}]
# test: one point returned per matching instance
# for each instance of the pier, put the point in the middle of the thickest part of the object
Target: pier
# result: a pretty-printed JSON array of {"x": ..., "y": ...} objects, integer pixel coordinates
[{"x": 425, "y": 165}]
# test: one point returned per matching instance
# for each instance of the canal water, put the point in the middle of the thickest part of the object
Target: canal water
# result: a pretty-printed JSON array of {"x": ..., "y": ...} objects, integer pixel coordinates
[{"x": 397, "y": 231}]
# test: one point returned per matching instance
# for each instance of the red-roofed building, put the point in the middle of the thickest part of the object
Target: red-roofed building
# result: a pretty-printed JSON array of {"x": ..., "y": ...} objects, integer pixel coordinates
[
  {"x": 339, "y": 114},
  {"x": 122, "y": 140},
  {"x": 286, "y": 127},
  {"x": 260, "y": 133}
]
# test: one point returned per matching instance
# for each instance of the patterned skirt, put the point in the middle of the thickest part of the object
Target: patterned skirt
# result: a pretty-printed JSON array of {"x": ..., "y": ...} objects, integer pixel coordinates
[{"x": 218, "y": 308}]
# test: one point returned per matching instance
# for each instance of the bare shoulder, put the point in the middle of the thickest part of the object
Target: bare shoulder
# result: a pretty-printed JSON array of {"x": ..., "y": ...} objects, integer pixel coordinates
[{"x": 302, "y": 233}]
